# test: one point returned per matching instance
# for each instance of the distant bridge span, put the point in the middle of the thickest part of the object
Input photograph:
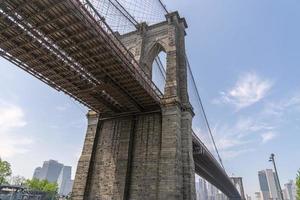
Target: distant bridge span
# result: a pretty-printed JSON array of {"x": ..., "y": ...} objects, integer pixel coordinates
[{"x": 68, "y": 45}]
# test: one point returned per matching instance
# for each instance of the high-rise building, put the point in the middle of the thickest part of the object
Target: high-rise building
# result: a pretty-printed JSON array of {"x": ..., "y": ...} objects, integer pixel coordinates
[
  {"x": 50, "y": 171},
  {"x": 220, "y": 196},
  {"x": 269, "y": 185},
  {"x": 64, "y": 181},
  {"x": 290, "y": 189},
  {"x": 264, "y": 186},
  {"x": 197, "y": 188},
  {"x": 248, "y": 197},
  {"x": 201, "y": 189},
  {"x": 207, "y": 191},
  {"x": 258, "y": 196},
  {"x": 238, "y": 183},
  {"x": 56, "y": 172},
  {"x": 285, "y": 194},
  {"x": 273, "y": 184},
  {"x": 212, "y": 192},
  {"x": 69, "y": 186},
  {"x": 37, "y": 173}
]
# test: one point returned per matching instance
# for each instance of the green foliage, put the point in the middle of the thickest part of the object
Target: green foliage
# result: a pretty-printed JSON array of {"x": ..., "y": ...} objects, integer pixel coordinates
[
  {"x": 298, "y": 185},
  {"x": 42, "y": 185},
  {"x": 5, "y": 171}
]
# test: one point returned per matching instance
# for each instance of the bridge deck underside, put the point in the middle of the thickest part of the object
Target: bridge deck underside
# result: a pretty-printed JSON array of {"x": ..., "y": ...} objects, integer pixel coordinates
[
  {"x": 208, "y": 168},
  {"x": 61, "y": 43}
]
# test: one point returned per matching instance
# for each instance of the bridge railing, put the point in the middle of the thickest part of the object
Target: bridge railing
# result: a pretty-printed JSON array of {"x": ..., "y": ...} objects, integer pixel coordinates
[{"x": 132, "y": 64}]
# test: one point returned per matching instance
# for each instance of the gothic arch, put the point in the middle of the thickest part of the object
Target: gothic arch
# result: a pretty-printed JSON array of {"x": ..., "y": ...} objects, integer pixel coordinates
[{"x": 153, "y": 50}]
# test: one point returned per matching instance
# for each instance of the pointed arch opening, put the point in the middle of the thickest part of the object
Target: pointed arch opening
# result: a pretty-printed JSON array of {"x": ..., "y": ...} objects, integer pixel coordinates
[
  {"x": 158, "y": 65},
  {"x": 159, "y": 70}
]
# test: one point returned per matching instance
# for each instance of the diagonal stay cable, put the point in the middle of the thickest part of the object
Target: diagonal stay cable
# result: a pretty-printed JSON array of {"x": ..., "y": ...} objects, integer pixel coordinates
[
  {"x": 123, "y": 11},
  {"x": 164, "y": 6}
]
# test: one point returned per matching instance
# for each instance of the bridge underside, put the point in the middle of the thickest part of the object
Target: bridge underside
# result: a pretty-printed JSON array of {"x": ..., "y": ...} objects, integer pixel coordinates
[
  {"x": 208, "y": 168},
  {"x": 62, "y": 44}
]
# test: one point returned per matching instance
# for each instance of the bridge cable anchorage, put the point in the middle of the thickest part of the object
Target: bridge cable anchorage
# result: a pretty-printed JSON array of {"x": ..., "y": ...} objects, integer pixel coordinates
[{"x": 204, "y": 114}]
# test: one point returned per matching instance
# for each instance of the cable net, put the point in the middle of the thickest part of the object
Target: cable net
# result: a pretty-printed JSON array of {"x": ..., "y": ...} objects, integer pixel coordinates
[
  {"x": 150, "y": 11},
  {"x": 114, "y": 15},
  {"x": 123, "y": 16}
]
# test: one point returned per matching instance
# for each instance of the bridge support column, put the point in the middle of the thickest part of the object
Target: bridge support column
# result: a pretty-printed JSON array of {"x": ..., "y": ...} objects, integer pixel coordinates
[
  {"x": 170, "y": 169},
  {"x": 83, "y": 166},
  {"x": 187, "y": 155},
  {"x": 177, "y": 173},
  {"x": 146, "y": 156}
]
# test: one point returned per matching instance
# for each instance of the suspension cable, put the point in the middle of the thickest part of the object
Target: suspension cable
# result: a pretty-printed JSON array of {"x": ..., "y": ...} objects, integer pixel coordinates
[
  {"x": 164, "y": 6},
  {"x": 204, "y": 114},
  {"x": 126, "y": 14}
]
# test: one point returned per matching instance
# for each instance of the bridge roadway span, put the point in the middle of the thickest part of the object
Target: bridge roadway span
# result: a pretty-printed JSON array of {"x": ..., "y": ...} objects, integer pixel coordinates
[{"x": 68, "y": 45}]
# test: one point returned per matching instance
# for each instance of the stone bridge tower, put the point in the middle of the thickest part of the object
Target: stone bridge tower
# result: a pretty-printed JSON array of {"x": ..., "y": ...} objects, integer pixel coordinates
[
  {"x": 238, "y": 183},
  {"x": 144, "y": 156}
]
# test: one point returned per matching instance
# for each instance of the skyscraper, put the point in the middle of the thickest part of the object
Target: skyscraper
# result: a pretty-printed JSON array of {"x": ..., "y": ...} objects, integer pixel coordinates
[
  {"x": 56, "y": 172},
  {"x": 258, "y": 196},
  {"x": 37, "y": 173},
  {"x": 64, "y": 181},
  {"x": 264, "y": 186},
  {"x": 50, "y": 171},
  {"x": 290, "y": 190},
  {"x": 273, "y": 184},
  {"x": 197, "y": 187},
  {"x": 201, "y": 189},
  {"x": 212, "y": 192},
  {"x": 285, "y": 194},
  {"x": 238, "y": 183},
  {"x": 269, "y": 185}
]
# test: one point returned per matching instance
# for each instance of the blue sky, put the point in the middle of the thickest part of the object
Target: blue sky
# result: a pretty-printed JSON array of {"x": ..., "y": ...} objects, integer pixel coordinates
[{"x": 245, "y": 55}]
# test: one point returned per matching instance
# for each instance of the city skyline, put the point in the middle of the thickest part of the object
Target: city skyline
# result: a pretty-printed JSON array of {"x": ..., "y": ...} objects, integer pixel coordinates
[
  {"x": 55, "y": 172},
  {"x": 270, "y": 189}
]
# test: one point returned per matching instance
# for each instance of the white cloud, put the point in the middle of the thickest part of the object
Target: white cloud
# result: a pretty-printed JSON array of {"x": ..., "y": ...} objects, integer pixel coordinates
[
  {"x": 266, "y": 137},
  {"x": 225, "y": 143},
  {"x": 230, "y": 154},
  {"x": 248, "y": 90},
  {"x": 11, "y": 120},
  {"x": 278, "y": 108},
  {"x": 236, "y": 139}
]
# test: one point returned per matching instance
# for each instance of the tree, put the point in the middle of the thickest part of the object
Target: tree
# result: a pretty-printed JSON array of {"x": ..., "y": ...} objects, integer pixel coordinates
[
  {"x": 42, "y": 185},
  {"x": 5, "y": 171},
  {"x": 50, "y": 189},
  {"x": 298, "y": 185},
  {"x": 17, "y": 180}
]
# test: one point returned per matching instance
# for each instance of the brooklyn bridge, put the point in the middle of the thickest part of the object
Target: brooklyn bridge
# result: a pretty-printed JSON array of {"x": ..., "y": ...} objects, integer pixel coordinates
[{"x": 140, "y": 142}]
